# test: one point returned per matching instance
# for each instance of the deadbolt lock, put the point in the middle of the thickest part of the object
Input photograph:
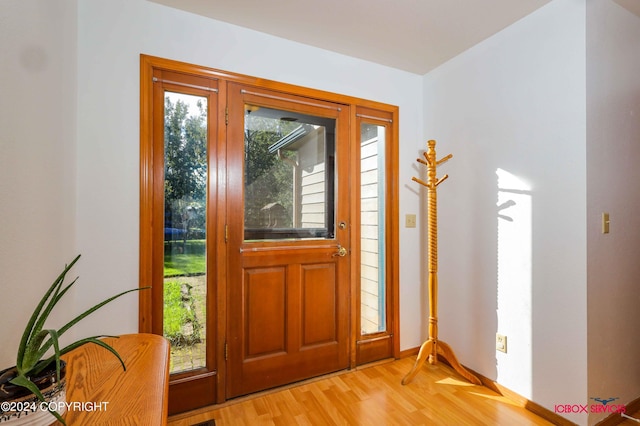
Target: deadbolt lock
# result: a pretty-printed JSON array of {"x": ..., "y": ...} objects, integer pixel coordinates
[{"x": 342, "y": 225}]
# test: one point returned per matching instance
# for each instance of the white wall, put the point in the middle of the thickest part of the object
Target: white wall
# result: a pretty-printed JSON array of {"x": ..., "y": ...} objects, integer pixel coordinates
[
  {"x": 613, "y": 155},
  {"x": 37, "y": 158},
  {"x": 70, "y": 141},
  {"x": 516, "y": 102},
  {"x": 111, "y": 36}
]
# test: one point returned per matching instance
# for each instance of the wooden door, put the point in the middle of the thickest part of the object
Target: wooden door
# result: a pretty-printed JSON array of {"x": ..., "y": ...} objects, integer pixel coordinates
[{"x": 287, "y": 239}]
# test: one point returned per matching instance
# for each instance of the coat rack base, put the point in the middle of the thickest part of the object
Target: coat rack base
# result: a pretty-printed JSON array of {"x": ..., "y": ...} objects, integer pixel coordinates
[{"x": 430, "y": 351}]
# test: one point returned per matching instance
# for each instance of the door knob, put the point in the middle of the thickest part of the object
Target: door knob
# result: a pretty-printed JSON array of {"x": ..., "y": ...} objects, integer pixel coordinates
[{"x": 342, "y": 252}]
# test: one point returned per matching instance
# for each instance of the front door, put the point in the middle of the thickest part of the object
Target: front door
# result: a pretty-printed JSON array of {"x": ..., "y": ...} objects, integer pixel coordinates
[{"x": 287, "y": 239}]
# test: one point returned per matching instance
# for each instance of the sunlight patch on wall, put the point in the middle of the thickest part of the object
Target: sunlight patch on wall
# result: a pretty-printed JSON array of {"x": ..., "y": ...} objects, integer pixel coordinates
[{"x": 514, "y": 310}]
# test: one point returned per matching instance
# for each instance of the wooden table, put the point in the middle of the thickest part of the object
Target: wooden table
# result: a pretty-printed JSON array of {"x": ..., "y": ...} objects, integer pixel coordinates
[{"x": 103, "y": 394}]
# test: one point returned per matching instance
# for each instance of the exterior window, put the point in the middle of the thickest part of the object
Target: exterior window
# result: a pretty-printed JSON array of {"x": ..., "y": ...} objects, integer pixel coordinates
[
  {"x": 372, "y": 232},
  {"x": 185, "y": 219}
]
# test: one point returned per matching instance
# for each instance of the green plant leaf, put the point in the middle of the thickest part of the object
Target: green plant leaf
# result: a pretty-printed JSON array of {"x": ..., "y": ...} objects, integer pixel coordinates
[
  {"x": 57, "y": 295},
  {"x": 36, "y": 313},
  {"x": 32, "y": 354},
  {"x": 89, "y": 311},
  {"x": 72, "y": 346},
  {"x": 95, "y": 341},
  {"x": 21, "y": 380},
  {"x": 41, "y": 365},
  {"x": 35, "y": 351},
  {"x": 95, "y": 308}
]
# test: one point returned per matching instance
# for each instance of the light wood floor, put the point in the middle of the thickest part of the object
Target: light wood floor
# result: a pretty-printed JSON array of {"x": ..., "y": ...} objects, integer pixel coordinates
[{"x": 372, "y": 395}]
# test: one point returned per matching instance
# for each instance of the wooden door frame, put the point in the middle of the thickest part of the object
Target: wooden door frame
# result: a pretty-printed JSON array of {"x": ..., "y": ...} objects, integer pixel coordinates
[
  {"x": 184, "y": 79},
  {"x": 147, "y": 299},
  {"x": 370, "y": 347}
]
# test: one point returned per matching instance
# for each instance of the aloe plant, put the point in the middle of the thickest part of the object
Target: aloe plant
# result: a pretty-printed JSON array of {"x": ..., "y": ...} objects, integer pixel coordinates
[{"x": 37, "y": 340}]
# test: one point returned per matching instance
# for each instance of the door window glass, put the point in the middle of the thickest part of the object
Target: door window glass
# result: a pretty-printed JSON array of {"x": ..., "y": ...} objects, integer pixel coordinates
[{"x": 288, "y": 175}]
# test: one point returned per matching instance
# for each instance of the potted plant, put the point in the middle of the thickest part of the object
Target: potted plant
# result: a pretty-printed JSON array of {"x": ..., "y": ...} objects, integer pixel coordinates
[{"x": 32, "y": 389}]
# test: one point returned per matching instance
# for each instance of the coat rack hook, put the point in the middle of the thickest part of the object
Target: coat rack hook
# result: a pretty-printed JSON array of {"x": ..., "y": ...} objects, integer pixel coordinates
[
  {"x": 426, "y": 157},
  {"x": 420, "y": 181},
  {"x": 442, "y": 160},
  {"x": 441, "y": 179}
]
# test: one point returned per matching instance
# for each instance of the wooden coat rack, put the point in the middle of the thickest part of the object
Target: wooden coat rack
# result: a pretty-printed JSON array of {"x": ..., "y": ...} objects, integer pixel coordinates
[{"x": 434, "y": 347}]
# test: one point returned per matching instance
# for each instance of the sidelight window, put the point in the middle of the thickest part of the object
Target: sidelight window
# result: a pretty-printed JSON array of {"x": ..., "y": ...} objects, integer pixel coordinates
[
  {"x": 372, "y": 228},
  {"x": 185, "y": 206}
]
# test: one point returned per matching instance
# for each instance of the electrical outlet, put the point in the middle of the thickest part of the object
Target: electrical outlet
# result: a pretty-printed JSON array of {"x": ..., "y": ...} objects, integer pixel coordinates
[
  {"x": 410, "y": 221},
  {"x": 501, "y": 343}
]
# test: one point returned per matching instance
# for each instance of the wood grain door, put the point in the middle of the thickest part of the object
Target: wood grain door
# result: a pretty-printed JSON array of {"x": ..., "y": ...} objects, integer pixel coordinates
[{"x": 287, "y": 239}]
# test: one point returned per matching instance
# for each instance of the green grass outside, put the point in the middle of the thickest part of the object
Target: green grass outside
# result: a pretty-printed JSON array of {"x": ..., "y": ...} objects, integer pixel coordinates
[
  {"x": 185, "y": 260},
  {"x": 181, "y": 259},
  {"x": 176, "y": 315}
]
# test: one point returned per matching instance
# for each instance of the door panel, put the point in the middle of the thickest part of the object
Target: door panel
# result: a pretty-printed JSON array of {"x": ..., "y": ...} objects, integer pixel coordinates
[
  {"x": 319, "y": 308},
  {"x": 291, "y": 327},
  {"x": 288, "y": 287},
  {"x": 262, "y": 284}
]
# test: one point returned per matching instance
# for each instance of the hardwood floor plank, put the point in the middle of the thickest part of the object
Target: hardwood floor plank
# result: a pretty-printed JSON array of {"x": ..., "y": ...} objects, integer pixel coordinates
[{"x": 372, "y": 395}]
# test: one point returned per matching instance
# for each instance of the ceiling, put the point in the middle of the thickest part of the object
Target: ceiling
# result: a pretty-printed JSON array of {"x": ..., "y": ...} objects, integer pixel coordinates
[
  {"x": 632, "y": 6},
  {"x": 411, "y": 35}
]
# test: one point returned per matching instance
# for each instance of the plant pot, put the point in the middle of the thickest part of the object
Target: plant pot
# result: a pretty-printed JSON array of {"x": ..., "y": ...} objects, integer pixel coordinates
[{"x": 18, "y": 406}]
